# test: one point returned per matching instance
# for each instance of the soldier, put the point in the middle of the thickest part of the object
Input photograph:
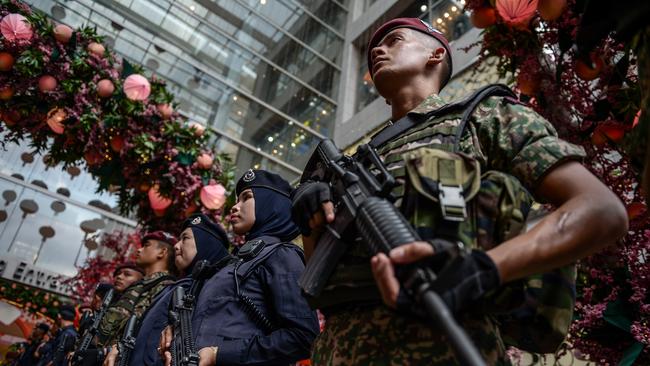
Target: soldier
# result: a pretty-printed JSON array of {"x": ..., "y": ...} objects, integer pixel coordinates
[
  {"x": 251, "y": 312},
  {"x": 156, "y": 258},
  {"x": 410, "y": 62}
]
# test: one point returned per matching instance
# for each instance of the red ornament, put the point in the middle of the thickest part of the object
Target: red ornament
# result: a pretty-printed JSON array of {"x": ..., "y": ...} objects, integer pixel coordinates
[
  {"x": 213, "y": 196},
  {"x": 144, "y": 187},
  {"x": 96, "y": 49},
  {"x": 483, "y": 17},
  {"x": 16, "y": 27},
  {"x": 55, "y": 118},
  {"x": 551, "y": 9},
  {"x": 156, "y": 201},
  {"x": 205, "y": 161},
  {"x": 165, "y": 110},
  {"x": 589, "y": 72},
  {"x": 10, "y": 117},
  {"x": 105, "y": 88},
  {"x": 6, "y": 61},
  {"x": 635, "y": 209},
  {"x": 117, "y": 143},
  {"x": 516, "y": 13},
  {"x": 136, "y": 87},
  {"x": 6, "y": 93},
  {"x": 606, "y": 132},
  {"x": 92, "y": 157},
  {"x": 527, "y": 84},
  {"x": 198, "y": 128},
  {"x": 47, "y": 83},
  {"x": 191, "y": 209},
  {"x": 62, "y": 33}
]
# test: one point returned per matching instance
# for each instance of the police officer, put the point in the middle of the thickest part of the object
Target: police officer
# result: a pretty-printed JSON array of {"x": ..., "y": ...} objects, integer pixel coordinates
[
  {"x": 27, "y": 356},
  {"x": 200, "y": 239},
  {"x": 251, "y": 311},
  {"x": 410, "y": 62},
  {"x": 66, "y": 335}
]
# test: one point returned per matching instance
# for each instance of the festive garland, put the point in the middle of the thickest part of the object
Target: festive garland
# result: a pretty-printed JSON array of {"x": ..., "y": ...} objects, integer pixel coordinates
[
  {"x": 592, "y": 102},
  {"x": 33, "y": 301},
  {"x": 77, "y": 101}
]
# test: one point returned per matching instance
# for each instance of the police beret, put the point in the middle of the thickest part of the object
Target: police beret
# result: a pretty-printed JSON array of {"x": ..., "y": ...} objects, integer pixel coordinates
[
  {"x": 67, "y": 312},
  {"x": 161, "y": 236},
  {"x": 129, "y": 265},
  {"x": 412, "y": 23},
  {"x": 263, "y": 179},
  {"x": 202, "y": 222},
  {"x": 43, "y": 326}
]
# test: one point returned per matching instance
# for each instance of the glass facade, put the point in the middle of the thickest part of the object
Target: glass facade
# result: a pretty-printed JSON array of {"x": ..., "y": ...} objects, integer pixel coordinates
[
  {"x": 447, "y": 16},
  {"x": 263, "y": 73}
]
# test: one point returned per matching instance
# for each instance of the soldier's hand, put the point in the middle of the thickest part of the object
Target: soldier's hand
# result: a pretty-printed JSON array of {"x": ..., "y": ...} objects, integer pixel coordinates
[
  {"x": 164, "y": 344},
  {"x": 208, "y": 356},
  {"x": 311, "y": 206},
  {"x": 384, "y": 271},
  {"x": 111, "y": 357}
]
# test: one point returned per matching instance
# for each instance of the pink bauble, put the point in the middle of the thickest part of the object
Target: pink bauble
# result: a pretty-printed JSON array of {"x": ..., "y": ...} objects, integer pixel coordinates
[
  {"x": 136, "y": 87},
  {"x": 15, "y": 27},
  {"x": 516, "y": 13},
  {"x": 204, "y": 161},
  {"x": 156, "y": 201},
  {"x": 96, "y": 49},
  {"x": 47, "y": 83},
  {"x": 198, "y": 128},
  {"x": 213, "y": 196},
  {"x": 105, "y": 88},
  {"x": 62, "y": 33},
  {"x": 165, "y": 110}
]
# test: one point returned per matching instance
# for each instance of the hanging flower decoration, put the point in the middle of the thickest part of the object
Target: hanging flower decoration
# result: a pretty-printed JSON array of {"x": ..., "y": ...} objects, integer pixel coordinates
[
  {"x": 516, "y": 13},
  {"x": 15, "y": 27},
  {"x": 136, "y": 87},
  {"x": 55, "y": 119},
  {"x": 213, "y": 196}
]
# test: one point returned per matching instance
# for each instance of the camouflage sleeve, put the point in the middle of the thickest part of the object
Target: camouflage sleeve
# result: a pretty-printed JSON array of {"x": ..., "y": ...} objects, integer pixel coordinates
[
  {"x": 518, "y": 141},
  {"x": 110, "y": 326},
  {"x": 145, "y": 299}
]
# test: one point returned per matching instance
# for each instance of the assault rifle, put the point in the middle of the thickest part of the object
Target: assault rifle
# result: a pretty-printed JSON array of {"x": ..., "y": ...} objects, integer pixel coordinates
[
  {"x": 90, "y": 333},
  {"x": 361, "y": 188},
  {"x": 127, "y": 342},
  {"x": 182, "y": 348}
]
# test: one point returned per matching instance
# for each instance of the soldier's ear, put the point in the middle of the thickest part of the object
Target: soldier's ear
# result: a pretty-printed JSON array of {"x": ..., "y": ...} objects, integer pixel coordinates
[{"x": 436, "y": 56}]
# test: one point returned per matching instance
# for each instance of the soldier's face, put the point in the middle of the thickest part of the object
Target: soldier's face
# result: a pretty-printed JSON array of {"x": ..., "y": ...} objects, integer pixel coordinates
[
  {"x": 399, "y": 56},
  {"x": 242, "y": 214},
  {"x": 185, "y": 249},
  {"x": 125, "y": 278},
  {"x": 150, "y": 252}
]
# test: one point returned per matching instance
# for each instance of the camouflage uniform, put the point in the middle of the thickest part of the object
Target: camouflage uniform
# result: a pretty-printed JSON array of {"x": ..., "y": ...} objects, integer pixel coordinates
[
  {"x": 136, "y": 299},
  {"x": 509, "y": 138}
]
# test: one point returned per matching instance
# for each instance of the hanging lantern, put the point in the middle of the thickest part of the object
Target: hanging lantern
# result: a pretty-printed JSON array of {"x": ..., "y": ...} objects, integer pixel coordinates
[
  {"x": 55, "y": 118},
  {"x": 516, "y": 13},
  {"x": 9, "y": 196},
  {"x": 15, "y": 27},
  {"x": 47, "y": 83},
  {"x": 27, "y": 158},
  {"x": 528, "y": 84},
  {"x": 483, "y": 17},
  {"x": 165, "y": 110},
  {"x": 589, "y": 72},
  {"x": 205, "y": 161},
  {"x": 213, "y": 196},
  {"x": 3, "y": 215},
  {"x": 10, "y": 117},
  {"x": 191, "y": 209},
  {"x": 198, "y": 128},
  {"x": 96, "y": 49},
  {"x": 551, "y": 9},
  {"x": 605, "y": 132},
  {"x": 156, "y": 201},
  {"x": 6, "y": 61},
  {"x": 62, "y": 33},
  {"x": 92, "y": 157},
  {"x": 73, "y": 171},
  {"x": 136, "y": 87},
  {"x": 105, "y": 88},
  {"x": 117, "y": 143},
  {"x": 6, "y": 92},
  {"x": 57, "y": 207}
]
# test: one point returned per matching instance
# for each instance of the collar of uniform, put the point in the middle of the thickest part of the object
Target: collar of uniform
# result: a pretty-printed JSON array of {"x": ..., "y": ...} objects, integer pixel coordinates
[
  {"x": 431, "y": 103},
  {"x": 154, "y": 276}
]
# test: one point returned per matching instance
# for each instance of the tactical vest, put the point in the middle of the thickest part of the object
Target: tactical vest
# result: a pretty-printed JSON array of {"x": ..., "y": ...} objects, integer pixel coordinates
[{"x": 445, "y": 194}]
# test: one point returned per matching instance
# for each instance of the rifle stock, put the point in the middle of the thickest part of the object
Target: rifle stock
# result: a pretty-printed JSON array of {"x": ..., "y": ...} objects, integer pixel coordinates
[
  {"x": 183, "y": 349},
  {"x": 91, "y": 332},
  {"x": 127, "y": 343}
]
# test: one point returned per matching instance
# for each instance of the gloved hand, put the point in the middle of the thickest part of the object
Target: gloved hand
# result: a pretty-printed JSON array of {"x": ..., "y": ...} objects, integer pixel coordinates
[
  {"x": 466, "y": 280},
  {"x": 306, "y": 201}
]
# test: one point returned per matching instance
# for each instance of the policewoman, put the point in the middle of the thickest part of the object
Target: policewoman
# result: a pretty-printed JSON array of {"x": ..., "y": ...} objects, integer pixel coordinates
[
  {"x": 200, "y": 239},
  {"x": 252, "y": 312}
]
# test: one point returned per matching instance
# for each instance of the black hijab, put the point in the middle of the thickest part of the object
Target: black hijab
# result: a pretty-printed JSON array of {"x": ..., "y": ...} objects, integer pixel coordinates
[{"x": 210, "y": 238}]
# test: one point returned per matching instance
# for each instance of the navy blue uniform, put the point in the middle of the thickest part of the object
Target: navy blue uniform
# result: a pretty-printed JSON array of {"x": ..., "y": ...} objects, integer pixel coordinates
[
  {"x": 67, "y": 335},
  {"x": 271, "y": 281}
]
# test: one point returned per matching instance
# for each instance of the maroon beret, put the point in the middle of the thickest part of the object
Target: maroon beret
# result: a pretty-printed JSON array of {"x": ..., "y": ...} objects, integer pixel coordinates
[
  {"x": 412, "y": 23},
  {"x": 162, "y": 236},
  {"x": 129, "y": 265}
]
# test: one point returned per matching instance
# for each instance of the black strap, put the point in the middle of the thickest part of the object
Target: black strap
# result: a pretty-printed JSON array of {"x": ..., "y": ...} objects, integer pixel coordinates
[{"x": 468, "y": 105}]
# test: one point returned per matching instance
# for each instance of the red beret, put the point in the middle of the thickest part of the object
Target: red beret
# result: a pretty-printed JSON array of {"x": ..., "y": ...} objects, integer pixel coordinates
[
  {"x": 160, "y": 235},
  {"x": 412, "y": 23},
  {"x": 129, "y": 265}
]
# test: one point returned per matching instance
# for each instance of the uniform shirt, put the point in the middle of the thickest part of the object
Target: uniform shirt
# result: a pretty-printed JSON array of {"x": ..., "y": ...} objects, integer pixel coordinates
[
  {"x": 135, "y": 300},
  {"x": 502, "y": 135},
  {"x": 272, "y": 283},
  {"x": 65, "y": 339}
]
